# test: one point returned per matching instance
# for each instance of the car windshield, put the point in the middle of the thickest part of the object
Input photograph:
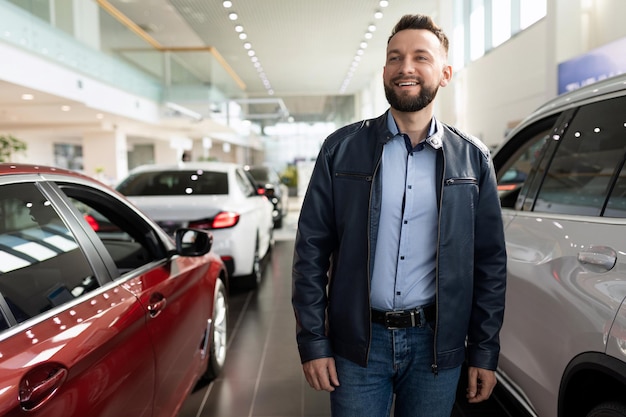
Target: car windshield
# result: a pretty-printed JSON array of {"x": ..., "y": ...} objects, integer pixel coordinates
[
  {"x": 189, "y": 182},
  {"x": 259, "y": 174}
]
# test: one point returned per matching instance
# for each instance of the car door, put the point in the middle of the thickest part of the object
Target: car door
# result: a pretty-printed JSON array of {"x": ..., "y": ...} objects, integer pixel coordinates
[
  {"x": 72, "y": 343},
  {"x": 174, "y": 292},
  {"x": 262, "y": 210},
  {"x": 565, "y": 245}
]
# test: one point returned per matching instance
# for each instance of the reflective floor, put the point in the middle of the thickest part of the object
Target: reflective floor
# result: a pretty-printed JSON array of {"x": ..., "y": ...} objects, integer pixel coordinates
[{"x": 262, "y": 375}]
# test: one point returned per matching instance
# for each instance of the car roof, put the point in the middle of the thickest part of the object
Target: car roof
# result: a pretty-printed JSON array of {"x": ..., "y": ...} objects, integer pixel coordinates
[
  {"x": 572, "y": 99},
  {"x": 185, "y": 166},
  {"x": 8, "y": 168}
]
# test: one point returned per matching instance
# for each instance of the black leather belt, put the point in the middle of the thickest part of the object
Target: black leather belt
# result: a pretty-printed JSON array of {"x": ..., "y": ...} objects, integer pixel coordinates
[{"x": 404, "y": 318}]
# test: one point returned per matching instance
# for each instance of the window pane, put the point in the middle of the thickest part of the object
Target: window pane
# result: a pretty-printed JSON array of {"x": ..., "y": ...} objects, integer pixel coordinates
[
  {"x": 616, "y": 207},
  {"x": 531, "y": 11},
  {"x": 41, "y": 264},
  {"x": 477, "y": 30},
  {"x": 500, "y": 22},
  {"x": 579, "y": 178},
  {"x": 193, "y": 182},
  {"x": 511, "y": 181}
]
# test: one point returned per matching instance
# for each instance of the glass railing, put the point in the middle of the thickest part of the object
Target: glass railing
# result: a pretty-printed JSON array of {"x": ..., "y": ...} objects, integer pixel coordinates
[{"x": 127, "y": 58}]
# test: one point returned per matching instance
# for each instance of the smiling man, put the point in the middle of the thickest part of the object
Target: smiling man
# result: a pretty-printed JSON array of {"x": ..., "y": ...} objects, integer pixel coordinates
[{"x": 399, "y": 269}]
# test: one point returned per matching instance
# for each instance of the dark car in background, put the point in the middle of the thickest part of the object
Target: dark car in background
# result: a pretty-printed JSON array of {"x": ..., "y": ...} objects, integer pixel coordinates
[
  {"x": 562, "y": 183},
  {"x": 101, "y": 312},
  {"x": 269, "y": 183}
]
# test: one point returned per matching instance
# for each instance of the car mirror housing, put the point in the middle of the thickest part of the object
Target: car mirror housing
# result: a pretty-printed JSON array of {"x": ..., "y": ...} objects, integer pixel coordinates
[{"x": 193, "y": 242}]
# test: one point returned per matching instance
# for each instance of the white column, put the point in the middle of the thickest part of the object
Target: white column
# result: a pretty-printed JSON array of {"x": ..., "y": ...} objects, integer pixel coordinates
[{"x": 105, "y": 155}]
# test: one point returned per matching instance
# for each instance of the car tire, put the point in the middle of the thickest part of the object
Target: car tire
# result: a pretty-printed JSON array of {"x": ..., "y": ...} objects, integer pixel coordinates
[
  {"x": 279, "y": 222},
  {"x": 609, "y": 409},
  {"x": 218, "y": 333}
]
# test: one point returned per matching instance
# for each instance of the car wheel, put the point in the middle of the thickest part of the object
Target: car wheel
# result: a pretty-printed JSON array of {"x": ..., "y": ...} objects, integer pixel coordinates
[
  {"x": 609, "y": 409},
  {"x": 218, "y": 335},
  {"x": 278, "y": 223}
]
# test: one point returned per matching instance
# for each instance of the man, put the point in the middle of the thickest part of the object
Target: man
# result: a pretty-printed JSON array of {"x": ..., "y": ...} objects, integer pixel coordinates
[{"x": 399, "y": 263}]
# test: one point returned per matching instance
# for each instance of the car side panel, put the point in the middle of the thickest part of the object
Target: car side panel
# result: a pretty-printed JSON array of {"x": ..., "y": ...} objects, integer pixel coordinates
[
  {"x": 550, "y": 263},
  {"x": 104, "y": 344},
  {"x": 180, "y": 293},
  {"x": 616, "y": 344}
]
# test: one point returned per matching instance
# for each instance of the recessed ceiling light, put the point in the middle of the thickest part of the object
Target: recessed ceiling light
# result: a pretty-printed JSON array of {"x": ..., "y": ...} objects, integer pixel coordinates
[
  {"x": 239, "y": 28},
  {"x": 378, "y": 15},
  {"x": 243, "y": 36},
  {"x": 27, "y": 97},
  {"x": 233, "y": 16},
  {"x": 383, "y": 3},
  {"x": 65, "y": 108},
  {"x": 227, "y": 4}
]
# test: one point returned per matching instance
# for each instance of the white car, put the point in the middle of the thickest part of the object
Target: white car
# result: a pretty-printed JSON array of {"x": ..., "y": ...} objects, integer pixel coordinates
[{"x": 215, "y": 196}]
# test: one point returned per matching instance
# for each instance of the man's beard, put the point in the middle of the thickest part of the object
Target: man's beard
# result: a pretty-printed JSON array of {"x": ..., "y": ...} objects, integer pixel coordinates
[{"x": 410, "y": 104}]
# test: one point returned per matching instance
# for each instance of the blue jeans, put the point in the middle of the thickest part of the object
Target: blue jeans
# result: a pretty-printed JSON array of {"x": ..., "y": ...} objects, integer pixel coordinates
[{"x": 399, "y": 363}]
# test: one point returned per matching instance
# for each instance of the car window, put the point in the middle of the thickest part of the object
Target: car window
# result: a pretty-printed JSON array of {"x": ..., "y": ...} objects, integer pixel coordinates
[
  {"x": 586, "y": 163},
  {"x": 517, "y": 169},
  {"x": 260, "y": 174},
  {"x": 188, "y": 182},
  {"x": 616, "y": 206},
  {"x": 41, "y": 263},
  {"x": 129, "y": 240}
]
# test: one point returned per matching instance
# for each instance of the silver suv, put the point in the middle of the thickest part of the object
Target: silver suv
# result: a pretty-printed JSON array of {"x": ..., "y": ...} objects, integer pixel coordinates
[{"x": 562, "y": 183}]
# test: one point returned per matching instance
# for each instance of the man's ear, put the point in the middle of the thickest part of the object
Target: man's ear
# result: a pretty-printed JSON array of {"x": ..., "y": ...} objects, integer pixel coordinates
[{"x": 447, "y": 75}]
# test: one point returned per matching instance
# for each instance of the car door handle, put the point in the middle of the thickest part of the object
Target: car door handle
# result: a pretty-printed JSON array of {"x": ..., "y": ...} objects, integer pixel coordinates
[
  {"x": 156, "y": 305},
  {"x": 602, "y": 256},
  {"x": 39, "y": 384}
]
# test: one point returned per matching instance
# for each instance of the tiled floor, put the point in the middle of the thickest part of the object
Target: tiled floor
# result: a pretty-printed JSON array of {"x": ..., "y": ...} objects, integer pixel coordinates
[{"x": 262, "y": 375}]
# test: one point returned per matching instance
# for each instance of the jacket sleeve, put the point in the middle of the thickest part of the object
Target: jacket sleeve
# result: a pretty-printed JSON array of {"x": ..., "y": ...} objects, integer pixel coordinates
[
  {"x": 314, "y": 245},
  {"x": 489, "y": 275}
]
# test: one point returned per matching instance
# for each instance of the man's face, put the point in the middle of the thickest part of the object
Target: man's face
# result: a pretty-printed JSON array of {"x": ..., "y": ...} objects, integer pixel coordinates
[{"x": 415, "y": 69}]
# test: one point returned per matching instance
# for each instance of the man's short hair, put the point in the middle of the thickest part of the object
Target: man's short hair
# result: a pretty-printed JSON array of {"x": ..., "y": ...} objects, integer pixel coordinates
[{"x": 420, "y": 21}]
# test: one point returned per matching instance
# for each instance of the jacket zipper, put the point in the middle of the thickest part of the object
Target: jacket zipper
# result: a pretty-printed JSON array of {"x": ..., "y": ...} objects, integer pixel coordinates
[
  {"x": 369, "y": 249},
  {"x": 434, "y": 367},
  {"x": 355, "y": 176},
  {"x": 457, "y": 181}
]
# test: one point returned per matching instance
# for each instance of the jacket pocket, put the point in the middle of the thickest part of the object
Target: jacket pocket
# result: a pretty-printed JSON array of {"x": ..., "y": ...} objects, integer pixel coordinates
[
  {"x": 353, "y": 176},
  {"x": 461, "y": 181}
]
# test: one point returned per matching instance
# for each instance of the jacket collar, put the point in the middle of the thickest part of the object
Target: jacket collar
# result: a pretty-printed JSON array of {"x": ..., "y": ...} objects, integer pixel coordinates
[{"x": 435, "y": 140}]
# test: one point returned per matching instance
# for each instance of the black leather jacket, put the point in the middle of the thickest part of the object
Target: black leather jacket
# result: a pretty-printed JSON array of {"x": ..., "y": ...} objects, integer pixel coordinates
[{"x": 336, "y": 242}]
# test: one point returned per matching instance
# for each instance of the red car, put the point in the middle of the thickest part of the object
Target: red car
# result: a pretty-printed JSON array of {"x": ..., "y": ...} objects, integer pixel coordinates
[{"x": 101, "y": 312}]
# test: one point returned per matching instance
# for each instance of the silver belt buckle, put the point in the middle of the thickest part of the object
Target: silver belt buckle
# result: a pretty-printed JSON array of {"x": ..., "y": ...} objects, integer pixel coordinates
[{"x": 389, "y": 314}]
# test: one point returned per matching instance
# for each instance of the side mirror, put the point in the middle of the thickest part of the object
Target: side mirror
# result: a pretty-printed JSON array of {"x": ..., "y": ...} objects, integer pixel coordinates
[{"x": 193, "y": 242}]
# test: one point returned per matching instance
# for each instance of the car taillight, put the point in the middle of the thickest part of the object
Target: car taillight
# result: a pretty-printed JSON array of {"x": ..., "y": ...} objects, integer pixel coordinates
[
  {"x": 225, "y": 219},
  {"x": 260, "y": 190},
  {"x": 92, "y": 222}
]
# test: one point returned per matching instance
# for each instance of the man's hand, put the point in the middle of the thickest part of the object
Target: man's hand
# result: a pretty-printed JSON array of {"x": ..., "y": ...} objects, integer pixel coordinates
[
  {"x": 480, "y": 384},
  {"x": 321, "y": 374}
]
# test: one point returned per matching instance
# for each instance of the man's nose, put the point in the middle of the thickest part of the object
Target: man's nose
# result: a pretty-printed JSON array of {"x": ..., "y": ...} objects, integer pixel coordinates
[{"x": 407, "y": 66}]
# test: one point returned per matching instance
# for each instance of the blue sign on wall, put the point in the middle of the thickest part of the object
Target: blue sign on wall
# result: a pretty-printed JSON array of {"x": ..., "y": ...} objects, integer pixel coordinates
[{"x": 595, "y": 65}]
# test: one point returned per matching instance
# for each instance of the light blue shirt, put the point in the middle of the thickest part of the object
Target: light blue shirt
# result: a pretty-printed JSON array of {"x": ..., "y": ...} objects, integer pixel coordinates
[{"x": 404, "y": 263}]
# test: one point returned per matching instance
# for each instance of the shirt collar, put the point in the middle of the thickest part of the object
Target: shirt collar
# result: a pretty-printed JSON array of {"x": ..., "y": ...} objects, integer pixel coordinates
[{"x": 434, "y": 131}]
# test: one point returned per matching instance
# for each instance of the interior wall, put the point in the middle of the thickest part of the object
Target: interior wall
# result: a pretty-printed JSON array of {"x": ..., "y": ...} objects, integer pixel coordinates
[{"x": 486, "y": 97}]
